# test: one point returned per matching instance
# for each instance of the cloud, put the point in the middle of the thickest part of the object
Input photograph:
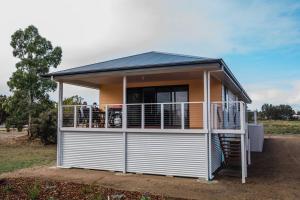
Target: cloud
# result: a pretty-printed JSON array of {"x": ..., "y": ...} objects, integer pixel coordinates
[
  {"x": 272, "y": 93},
  {"x": 97, "y": 30}
]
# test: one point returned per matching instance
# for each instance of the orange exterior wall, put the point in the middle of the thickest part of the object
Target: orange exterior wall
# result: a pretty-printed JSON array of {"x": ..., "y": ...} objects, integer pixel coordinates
[{"x": 112, "y": 94}]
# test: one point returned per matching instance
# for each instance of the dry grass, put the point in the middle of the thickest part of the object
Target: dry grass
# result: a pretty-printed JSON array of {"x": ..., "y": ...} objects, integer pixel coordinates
[
  {"x": 281, "y": 126},
  {"x": 18, "y": 156}
]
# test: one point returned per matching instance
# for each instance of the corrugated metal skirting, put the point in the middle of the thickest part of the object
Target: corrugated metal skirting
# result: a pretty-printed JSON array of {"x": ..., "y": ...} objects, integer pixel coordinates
[
  {"x": 216, "y": 151},
  {"x": 167, "y": 154},
  {"x": 92, "y": 150},
  {"x": 176, "y": 154}
]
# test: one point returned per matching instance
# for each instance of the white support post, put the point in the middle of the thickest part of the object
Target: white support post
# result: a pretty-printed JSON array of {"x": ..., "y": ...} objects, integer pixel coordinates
[
  {"x": 143, "y": 116},
  {"x": 90, "y": 117},
  {"x": 59, "y": 123},
  {"x": 243, "y": 145},
  {"x": 182, "y": 116},
  {"x": 162, "y": 116},
  {"x": 124, "y": 124},
  {"x": 243, "y": 158},
  {"x": 209, "y": 126},
  {"x": 205, "y": 100},
  {"x": 75, "y": 116},
  {"x": 106, "y": 116},
  {"x": 205, "y": 121}
]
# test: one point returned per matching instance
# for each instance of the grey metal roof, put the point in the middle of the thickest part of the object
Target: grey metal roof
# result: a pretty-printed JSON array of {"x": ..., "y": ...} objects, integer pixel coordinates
[
  {"x": 146, "y": 60},
  {"x": 139, "y": 61}
]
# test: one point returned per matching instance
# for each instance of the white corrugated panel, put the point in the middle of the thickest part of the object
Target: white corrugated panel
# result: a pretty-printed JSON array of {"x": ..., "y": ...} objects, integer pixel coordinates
[
  {"x": 167, "y": 154},
  {"x": 93, "y": 150},
  {"x": 256, "y": 135},
  {"x": 216, "y": 153}
]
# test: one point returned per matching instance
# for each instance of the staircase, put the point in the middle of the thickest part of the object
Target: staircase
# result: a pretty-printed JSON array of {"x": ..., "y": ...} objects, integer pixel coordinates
[{"x": 231, "y": 148}]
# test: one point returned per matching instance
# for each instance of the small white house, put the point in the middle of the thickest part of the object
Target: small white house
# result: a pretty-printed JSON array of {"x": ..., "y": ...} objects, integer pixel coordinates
[{"x": 159, "y": 113}]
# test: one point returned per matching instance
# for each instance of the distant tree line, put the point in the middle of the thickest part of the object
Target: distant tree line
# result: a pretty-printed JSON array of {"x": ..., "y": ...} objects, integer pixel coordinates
[{"x": 277, "y": 112}]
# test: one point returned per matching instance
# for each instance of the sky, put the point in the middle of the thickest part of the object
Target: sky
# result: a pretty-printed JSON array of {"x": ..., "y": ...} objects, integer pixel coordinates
[{"x": 259, "y": 40}]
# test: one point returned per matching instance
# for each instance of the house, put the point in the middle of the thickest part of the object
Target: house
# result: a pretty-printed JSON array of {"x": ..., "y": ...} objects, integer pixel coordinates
[{"x": 159, "y": 113}]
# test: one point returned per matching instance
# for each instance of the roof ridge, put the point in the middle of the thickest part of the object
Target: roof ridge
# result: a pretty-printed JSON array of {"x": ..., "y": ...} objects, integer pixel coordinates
[{"x": 179, "y": 54}]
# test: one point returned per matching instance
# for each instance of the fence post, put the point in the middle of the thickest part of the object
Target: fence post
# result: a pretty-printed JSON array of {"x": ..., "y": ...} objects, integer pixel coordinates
[
  {"x": 143, "y": 116},
  {"x": 75, "y": 116},
  {"x": 162, "y": 116},
  {"x": 106, "y": 116},
  {"x": 90, "y": 118},
  {"x": 182, "y": 115}
]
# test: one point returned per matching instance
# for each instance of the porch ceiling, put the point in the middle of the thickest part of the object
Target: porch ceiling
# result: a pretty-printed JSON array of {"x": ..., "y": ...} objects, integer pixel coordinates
[{"x": 94, "y": 80}]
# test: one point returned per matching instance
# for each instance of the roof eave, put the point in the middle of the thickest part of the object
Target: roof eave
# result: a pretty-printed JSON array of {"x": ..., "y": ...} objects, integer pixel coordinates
[{"x": 55, "y": 74}]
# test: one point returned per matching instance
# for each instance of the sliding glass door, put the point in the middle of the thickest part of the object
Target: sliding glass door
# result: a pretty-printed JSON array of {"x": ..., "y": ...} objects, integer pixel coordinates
[{"x": 169, "y": 95}]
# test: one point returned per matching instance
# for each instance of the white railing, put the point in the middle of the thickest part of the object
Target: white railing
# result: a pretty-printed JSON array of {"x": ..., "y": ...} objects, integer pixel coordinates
[
  {"x": 228, "y": 117},
  {"x": 181, "y": 115}
]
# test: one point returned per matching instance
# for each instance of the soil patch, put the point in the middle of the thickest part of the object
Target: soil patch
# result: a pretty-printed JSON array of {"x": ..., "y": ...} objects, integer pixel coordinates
[{"x": 30, "y": 188}]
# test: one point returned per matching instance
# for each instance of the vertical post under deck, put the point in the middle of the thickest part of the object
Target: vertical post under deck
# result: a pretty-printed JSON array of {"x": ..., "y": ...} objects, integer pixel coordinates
[
  {"x": 59, "y": 123},
  {"x": 205, "y": 121},
  {"x": 209, "y": 126},
  {"x": 243, "y": 147},
  {"x": 124, "y": 124}
]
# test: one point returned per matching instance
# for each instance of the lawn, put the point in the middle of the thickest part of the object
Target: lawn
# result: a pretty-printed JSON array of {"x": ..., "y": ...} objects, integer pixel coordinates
[
  {"x": 18, "y": 156},
  {"x": 281, "y": 126}
]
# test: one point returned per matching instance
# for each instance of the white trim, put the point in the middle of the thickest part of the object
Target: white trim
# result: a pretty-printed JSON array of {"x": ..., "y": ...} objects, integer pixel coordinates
[
  {"x": 232, "y": 131},
  {"x": 71, "y": 129}
]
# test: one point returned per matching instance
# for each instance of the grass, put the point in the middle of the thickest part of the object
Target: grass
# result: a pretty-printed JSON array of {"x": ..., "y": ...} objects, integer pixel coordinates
[
  {"x": 17, "y": 156},
  {"x": 33, "y": 191},
  {"x": 281, "y": 126}
]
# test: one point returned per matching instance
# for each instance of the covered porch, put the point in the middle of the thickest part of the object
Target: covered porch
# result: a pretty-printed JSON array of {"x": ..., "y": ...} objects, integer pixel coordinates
[{"x": 170, "y": 100}]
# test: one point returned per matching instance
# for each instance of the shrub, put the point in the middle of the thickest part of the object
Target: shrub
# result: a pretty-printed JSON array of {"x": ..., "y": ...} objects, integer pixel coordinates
[{"x": 45, "y": 127}]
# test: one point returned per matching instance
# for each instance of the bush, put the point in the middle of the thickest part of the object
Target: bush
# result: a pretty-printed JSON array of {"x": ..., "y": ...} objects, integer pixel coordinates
[{"x": 45, "y": 127}]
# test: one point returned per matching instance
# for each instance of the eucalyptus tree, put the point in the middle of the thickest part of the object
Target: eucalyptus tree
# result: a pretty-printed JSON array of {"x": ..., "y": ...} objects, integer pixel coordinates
[{"x": 36, "y": 56}]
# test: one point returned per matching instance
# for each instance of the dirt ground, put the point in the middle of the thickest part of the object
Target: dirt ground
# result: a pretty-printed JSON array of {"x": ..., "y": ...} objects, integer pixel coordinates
[
  {"x": 274, "y": 174},
  {"x": 12, "y": 137}
]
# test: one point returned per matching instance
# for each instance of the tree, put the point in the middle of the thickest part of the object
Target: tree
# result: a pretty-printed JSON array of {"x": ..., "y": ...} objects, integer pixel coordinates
[
  {"x": 3, "y": 113},
  {"x": 30, "y": 90},
  {"x": 73, "y": 100},
  {"x": 283, "y": 112}
]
